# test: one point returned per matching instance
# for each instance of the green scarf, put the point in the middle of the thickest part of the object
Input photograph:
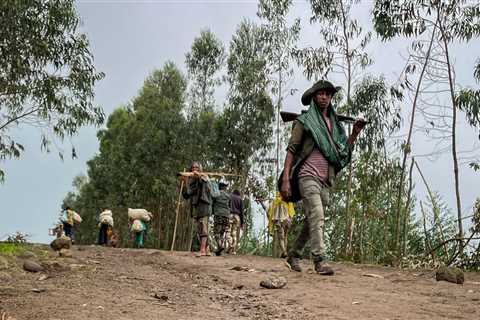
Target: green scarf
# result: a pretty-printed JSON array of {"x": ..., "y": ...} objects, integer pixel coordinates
[{"x": 334, "y": 149}]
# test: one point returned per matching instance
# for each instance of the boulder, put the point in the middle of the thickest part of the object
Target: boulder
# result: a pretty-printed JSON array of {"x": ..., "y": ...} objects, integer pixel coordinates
[
  {"x": 453, "y": 275},
  {"x": 32, "y": 266},
  {"x": 61, "y": 243}
]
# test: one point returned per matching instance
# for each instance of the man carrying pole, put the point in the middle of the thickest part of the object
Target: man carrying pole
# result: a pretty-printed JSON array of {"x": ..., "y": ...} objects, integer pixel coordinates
[
  {"x": 197, "y": 190},
  {"x": 317, "y": 150}
]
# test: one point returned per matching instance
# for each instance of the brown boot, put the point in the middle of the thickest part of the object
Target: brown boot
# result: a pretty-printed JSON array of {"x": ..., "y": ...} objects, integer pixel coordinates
[
  {"x": 294, "y": 263},
  {"x": 323, "y": 269}
]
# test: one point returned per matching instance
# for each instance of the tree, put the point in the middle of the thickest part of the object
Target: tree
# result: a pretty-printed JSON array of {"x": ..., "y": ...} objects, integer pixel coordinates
[
  {"x": 47, "y": 74},
  {"x": 456, "y": 21},
  {"x": 279, "y": 40},
  {"x": 204, "y": 60},
  {"x": 244, "y": 130}
]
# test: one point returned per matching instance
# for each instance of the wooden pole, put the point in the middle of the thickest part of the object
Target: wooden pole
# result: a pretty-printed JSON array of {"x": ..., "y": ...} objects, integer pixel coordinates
[{"x": 176, "y": 215}]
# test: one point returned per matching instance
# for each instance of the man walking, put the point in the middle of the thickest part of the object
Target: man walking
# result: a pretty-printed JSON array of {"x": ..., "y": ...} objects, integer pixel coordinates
[
  {"x": 221, "y": 213},
  {"x": 236, "y": 221},
  {"x": 198, "y": 192},
  {"x": 317, "y": 150}
]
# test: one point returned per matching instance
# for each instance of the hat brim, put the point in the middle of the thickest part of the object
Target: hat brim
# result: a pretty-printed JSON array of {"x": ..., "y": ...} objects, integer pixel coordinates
[{"x": 307, "y": 95}]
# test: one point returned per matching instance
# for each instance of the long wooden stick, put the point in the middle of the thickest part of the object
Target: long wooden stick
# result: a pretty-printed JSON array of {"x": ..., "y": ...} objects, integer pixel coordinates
[
  {"x": 176, "y": 215},
  {"x": 216, "y": 174}
]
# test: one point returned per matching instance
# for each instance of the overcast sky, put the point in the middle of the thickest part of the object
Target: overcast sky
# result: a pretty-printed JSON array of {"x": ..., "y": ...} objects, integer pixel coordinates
[{"x": 129, "y": 39}]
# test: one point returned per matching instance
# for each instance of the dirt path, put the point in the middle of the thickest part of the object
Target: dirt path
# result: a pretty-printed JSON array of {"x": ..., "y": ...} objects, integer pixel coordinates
[{"x": 106, "y": 283}]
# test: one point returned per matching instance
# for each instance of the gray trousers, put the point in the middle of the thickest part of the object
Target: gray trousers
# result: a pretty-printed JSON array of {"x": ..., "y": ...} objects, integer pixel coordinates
[{"x": 314, "y": 198}]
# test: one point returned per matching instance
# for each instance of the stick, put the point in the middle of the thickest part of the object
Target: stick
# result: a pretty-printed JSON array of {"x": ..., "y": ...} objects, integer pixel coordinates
[
  {"x": 217, "y": 174},
  {"x": 176, "y": 215},
  {"x": 290, "y": 116}
]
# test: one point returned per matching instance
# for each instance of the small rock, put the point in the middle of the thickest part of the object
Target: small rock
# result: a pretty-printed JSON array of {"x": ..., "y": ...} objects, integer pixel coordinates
[
  {"x": 32, "y": 266},
  {"x": 65, "y": 253},
  {"x": 470, "y": 291},
  {"x": 355, "y": 302},
  {"x": 38, "y": 290},
  {"x": 453, "y": 275},
  {"x": 61, "y": 243},
  {"x": 274, "y": 283},
  {"x": 43, "y": 277},
  {"x": 238, "y": 287},
  {"x": 373, "y": 275},
  {"x": 5, "y": 277}
]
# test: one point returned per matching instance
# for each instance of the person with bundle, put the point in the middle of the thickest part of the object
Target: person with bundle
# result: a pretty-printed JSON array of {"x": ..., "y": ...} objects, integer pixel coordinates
[{"x": 105, "y": 224}]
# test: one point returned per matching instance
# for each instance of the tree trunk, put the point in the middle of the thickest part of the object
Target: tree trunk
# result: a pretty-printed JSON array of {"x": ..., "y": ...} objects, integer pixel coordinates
[
  {"x": 454, "y": 143},
  {"x": 407, "y": 147}
]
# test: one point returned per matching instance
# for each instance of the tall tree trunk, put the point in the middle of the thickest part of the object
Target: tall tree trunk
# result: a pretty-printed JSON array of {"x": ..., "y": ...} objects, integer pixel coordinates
[
  {"x": 348, "y": 215},
  {"x": 454, "y": 142},
  {"x": 407, "y": 147},
  {"x": 406, "y": 214}
]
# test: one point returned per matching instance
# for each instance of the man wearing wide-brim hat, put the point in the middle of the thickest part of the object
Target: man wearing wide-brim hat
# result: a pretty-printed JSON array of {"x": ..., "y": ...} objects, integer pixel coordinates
[{"x": 317, "y": 150}]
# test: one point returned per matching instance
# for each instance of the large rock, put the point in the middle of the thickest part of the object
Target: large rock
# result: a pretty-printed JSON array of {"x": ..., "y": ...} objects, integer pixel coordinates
[
  {"x": 453, "y": 275},
  {"x": 65, "y": 253},
  {"x": 32, "y": 266},
  {"x": 61, "y": 243}
]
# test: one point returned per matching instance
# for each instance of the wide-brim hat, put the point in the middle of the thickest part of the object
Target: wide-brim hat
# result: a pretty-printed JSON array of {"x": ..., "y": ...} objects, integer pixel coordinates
[{"x": 320, "y": 85}]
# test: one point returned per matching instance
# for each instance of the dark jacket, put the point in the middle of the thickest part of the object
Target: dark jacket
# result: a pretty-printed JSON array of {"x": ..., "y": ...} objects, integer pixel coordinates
[
  {"x": 199, "y": 193},
  {"x": 221, "y": 204},
  {"x": 236, "y": 206}
]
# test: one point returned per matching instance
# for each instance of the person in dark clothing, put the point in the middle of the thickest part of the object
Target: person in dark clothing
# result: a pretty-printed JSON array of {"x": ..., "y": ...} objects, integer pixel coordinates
[
  {"x": 236, "y": 221},
  {"x": 68, "y": 222},
  {"x": 198, "y": 192},
  {"x": 105, "y": 222},
  {"x": 221, "y": 215}
]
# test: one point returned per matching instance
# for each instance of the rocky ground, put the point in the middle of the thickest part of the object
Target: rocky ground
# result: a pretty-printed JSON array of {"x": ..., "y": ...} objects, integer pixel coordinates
[{"x": 108, "y": 283}]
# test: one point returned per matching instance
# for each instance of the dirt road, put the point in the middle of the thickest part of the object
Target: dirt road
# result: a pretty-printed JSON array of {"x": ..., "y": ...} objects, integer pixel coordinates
[{"x": 107, "y": 283}]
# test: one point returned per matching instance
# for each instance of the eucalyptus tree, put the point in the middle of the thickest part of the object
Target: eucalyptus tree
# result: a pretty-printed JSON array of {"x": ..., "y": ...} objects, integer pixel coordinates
[
  {"x": 47, "y": 75},
  {"x": 279, "y": 39},
  {"x": 141, "y": 150},
  {"x": 244, "y": 129},
  {"x": 454, "y": 21},
  {"x": 203, "y": 62}
]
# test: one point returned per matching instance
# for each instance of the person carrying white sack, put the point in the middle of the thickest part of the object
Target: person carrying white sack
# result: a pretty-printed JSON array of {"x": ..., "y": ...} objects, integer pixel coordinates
[
  {"x": 138, "y": 219},
  {"x": 105, "y": 222}
]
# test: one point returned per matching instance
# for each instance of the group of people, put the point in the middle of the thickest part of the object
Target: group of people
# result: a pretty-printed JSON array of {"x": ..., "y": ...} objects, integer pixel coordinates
[
  {"x": 206, "y": 199},
  {"x": 318, "y": 149}
]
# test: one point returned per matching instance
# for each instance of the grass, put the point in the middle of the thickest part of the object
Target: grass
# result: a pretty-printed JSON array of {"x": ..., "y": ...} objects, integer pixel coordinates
[{"x": 11, "y": 249}]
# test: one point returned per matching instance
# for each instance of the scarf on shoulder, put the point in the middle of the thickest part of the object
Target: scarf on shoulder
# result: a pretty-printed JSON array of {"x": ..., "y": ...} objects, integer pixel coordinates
[{"x": 332, "y": 145}]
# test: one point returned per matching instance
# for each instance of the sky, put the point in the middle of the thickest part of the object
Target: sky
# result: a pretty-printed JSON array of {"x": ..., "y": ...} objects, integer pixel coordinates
[{"x": 129, "y": 39}]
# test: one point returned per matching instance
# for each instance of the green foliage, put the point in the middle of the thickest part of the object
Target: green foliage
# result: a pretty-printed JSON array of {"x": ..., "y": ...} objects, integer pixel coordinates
[
  {"x": 243, "y": 130},
  {"x": 205, "y": 59},
  {"x": 47, "y": 74},
  {"x": 337, "y": 30},
  {"x": 11, "y": 248}
]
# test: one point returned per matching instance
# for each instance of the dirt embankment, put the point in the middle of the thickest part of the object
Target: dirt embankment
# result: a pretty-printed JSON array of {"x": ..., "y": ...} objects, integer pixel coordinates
[{"x": 107, "y": 283}]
